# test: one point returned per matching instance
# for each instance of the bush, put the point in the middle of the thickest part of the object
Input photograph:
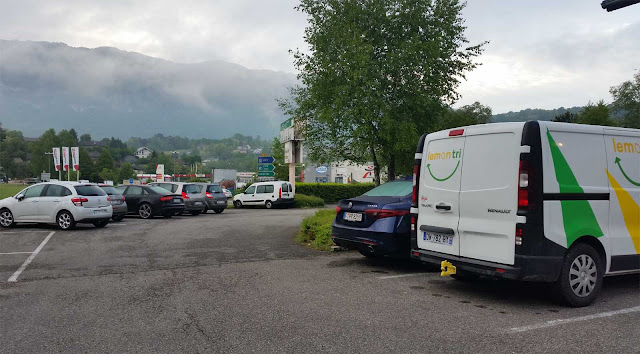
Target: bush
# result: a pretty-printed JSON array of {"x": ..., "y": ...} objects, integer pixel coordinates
[
  {"x": 315, "y": 230},
  {"x": 333, "y": 192},
  {"x": 307, "y": 201}
]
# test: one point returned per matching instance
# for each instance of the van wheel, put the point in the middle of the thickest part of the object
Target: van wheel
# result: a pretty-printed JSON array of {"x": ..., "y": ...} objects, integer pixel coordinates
[
  {"x": 268, "y": 204},
  {"x": 237, "y": 204},
  {"x": 6, "y": 218},
  {"x": 581, "y": 276},
  {"x": 65, "y": 220}
]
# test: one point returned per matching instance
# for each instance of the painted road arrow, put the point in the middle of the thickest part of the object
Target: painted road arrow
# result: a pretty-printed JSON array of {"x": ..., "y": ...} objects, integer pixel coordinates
[
  {"x": 624, "y": 174},
  {"x": 442, "y": 179},
  {"x": 266, "y": 168},
  {"x": 266, "y": 159},
  {"x": 266, "y": 174}
]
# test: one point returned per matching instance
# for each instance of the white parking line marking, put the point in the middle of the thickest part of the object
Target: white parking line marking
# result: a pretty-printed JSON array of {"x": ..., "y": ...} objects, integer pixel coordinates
[
  {"x": 562, "y": 321},
  {"x": 22, "y": 232},
  {"x": 14, "y": 277},
  {"x": 14, "y": 253},
  {"x": 401, "y": 275}
]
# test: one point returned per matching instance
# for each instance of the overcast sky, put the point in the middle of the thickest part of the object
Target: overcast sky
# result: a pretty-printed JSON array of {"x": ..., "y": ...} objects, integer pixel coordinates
[{"x": 542, "y": 54}]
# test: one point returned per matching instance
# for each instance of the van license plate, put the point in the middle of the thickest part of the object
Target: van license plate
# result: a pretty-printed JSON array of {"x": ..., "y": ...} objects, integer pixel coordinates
[
  {"x": 438, "y": 238},
  {"x": 352, "y": 217}
]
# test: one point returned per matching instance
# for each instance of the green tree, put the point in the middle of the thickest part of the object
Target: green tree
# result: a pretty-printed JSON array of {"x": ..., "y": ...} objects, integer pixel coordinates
[
  {"x": 379, "y": 74},
  {"x": 626, "y": 101},
  {"x": 39, "y": 160},
  {"x": 105, "y": 161},
  {"x": 107, "y": 175},
  {"x": 86, "y": 165},
  {"x": 126, "y": 172},
  {"x": 13, "y": 154},
  {"x": 471, "y": 114},
  {"x": 566, "y": 117},
  {"x": 85, "y": 138},
  {"x": 281, "y": 168},
  {"x": 597, "y": 114}
]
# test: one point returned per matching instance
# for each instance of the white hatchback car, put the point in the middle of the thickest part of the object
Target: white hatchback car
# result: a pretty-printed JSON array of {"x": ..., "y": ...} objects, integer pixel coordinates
[
  {"x": 61, "y": 203},
  {"x": 268, "y": 194}
]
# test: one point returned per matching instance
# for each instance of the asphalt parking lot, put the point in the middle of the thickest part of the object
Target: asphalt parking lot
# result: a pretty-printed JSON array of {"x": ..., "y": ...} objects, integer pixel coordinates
[{"x": 237, "y": 282}]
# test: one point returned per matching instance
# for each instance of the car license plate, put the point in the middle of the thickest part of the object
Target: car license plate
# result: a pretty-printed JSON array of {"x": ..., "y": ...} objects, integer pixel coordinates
[
  {"x": 197, "y": 203},
  {"x": 176, "y": 200},
  {"x": 352, "y": 217},
  {"x": 438, "y": 238},
  {"x": 99, "y": 211}
]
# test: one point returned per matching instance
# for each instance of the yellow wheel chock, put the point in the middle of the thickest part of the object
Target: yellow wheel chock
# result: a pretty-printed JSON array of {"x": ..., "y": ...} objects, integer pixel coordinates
[{"x": 447, "y": 268}]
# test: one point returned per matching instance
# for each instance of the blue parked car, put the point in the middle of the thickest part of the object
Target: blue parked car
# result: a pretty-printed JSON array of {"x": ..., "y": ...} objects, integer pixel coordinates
[{"x": 377, "y": 222}]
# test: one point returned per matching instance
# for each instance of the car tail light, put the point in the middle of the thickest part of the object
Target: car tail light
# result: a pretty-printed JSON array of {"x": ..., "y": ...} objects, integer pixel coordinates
[
  {"x": 518, "y": 234},
  {"x": 523, "y": 185},
  {"x": 166, "y": 198},
  {"x": 79, "y": 201},
  {"x": 209, "y": 195},
  {"x": 385, "y": 213},
  {"x": 338, "y": 209},
  {"x": 280, "y": 193},
  {"x": 456, "y": 132},
  {"x": 184, "y": 195}
]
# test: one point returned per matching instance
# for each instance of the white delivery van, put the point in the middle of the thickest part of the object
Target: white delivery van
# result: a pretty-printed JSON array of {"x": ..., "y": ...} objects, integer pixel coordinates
[{"x": 538, "y": 201}]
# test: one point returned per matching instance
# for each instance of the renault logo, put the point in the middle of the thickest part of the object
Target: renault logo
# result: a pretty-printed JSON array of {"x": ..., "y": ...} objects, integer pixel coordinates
[{"x": 350, "y": 205}]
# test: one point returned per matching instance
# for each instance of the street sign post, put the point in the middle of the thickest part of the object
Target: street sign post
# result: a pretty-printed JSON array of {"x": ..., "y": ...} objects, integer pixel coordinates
[
  {"x": 266, "y": 167},
  {"x": 265, "y": 159},
  {"x": 266, "y": 174}
]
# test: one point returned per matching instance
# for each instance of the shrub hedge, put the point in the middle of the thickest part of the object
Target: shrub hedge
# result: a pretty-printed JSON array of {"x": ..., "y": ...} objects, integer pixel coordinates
[
  {"x": 333, "y": 192},
  {"x": 315, "y": 230},
  {"x": 307, "y": 201}
]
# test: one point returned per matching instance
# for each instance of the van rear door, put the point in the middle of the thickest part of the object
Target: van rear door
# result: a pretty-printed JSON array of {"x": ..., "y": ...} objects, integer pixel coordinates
[
  {"x": 439, "y": 189},
  {"x": 489, "y": 192}
]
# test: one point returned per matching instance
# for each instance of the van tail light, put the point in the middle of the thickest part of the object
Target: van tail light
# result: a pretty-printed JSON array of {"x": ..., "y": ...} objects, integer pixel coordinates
[
  {"x": 385, "y": 213},
  {"x": 209, "y": 195},
  {"x": 184, "y": 195},
  {"x": 523, "y": 185},
  {"x": 280, "y": 193},
  {"x": 166, "y": 199},
  {"x": 413, "y": 223},
  {"x": 518, "y": 234},
  {"x": 416, "y": 175},
  {"x": 456, "y": 132},
  {"x": 79, "y": 201}
]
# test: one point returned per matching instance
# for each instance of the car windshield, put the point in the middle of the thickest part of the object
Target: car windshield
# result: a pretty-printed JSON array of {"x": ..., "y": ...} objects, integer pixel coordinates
[
  {"x": 159, "y": 190},
  {"x": 89, "y": 191},
  {"x": 190, "y": 188},
  {"x": 111, "y": 190},
  {"x": 392, "y": 189}
]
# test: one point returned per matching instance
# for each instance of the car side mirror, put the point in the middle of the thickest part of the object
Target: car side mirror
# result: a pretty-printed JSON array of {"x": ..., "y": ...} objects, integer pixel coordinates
[{"x": 20, "y": 197}]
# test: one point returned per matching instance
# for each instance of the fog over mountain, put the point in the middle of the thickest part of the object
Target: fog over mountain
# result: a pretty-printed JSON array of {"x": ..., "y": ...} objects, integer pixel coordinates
[{"x": 109, "y": 92}]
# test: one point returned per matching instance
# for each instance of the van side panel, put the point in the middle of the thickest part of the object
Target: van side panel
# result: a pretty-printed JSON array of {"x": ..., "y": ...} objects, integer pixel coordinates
[
  {"x": 489, "y": 194},
  {"x": 576, "y": 189},
  {"x": 623, "y": 172}
]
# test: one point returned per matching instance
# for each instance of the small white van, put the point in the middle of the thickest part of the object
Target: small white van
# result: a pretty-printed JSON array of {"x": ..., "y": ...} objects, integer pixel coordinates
[
  {"x": 536, "y": 201},
  {"x": 267, "y": 194}
]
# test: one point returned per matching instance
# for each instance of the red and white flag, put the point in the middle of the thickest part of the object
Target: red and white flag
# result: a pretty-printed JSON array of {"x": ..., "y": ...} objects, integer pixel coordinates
[
  {"x": 65, "y": 158},
  {"x": 75, "y": 158},
  {"x": 56, "y": 158}
]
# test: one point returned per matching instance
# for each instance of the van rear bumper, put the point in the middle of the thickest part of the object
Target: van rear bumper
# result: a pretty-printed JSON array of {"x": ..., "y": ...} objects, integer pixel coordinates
[{"x": 528, "y": 268}]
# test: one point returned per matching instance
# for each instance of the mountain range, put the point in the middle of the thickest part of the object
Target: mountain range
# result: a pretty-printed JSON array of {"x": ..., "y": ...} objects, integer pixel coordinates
[{"x": 109, "y": 92}]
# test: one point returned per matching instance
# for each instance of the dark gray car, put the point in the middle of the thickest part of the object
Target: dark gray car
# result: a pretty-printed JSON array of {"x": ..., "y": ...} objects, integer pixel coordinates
[
  {"x": 215, "y": 198},
  {"x": 194, "y": 200}
]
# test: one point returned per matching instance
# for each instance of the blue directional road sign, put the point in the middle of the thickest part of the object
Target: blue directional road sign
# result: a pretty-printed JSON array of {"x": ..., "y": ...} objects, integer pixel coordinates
[{"x": 266, "y": 159}]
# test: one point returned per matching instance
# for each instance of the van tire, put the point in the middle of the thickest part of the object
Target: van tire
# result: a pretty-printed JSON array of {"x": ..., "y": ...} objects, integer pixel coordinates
[
  {"x": 578, "y": 267},
  {"x": 268, "y": 204},
  {"x": 237, "y": 204}
]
